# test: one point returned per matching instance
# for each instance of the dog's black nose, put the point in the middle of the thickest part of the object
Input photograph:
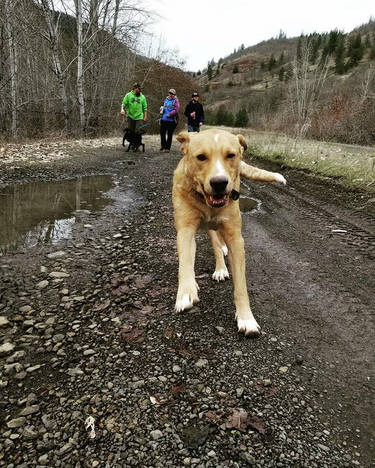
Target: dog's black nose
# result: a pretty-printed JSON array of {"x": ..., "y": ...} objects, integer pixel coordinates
[{"x": 219, "y": 184}]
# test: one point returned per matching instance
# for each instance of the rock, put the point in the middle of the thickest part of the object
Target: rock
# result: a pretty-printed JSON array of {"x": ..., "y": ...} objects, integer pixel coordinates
[
  {"x": 4, "y": 322},
  {"x": 29, "y": 410},
  {"x": 239, "y": 392},
  {"x": 201, "y": 363},
  {"x": 283, "y": 369},
  {"x": 42, "y": 284},
  {"x": 17, "y": 422},
  {"x": 58, "y": 254},
  {"x": 6, "y": 348},
  {"x": 156, "y": 434},
  {"x": 176, "y": 369},
  {"x": 58, "y": 274}
]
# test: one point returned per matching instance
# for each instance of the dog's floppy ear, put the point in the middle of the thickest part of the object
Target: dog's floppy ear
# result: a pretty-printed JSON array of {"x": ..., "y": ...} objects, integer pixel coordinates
[
  {"x": 242, "y": 141},
  {"x": 183, "y": 138}
]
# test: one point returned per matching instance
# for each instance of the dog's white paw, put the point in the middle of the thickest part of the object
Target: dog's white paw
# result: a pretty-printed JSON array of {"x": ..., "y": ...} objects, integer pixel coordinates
[
  {"x": 224, "y": 248},
  {"x": 220, "y": 275},
  {"x": 186, "y": 301},
  {"x": 249, "y": 327},
  {"x": 280, "y": 178}
]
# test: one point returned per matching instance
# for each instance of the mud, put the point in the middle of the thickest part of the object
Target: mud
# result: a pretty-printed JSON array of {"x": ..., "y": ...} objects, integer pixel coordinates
[{"x": 310, "y": 270}]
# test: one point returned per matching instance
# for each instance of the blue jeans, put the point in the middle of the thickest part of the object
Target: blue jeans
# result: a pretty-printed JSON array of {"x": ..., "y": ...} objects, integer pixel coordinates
[{"x": 194, "y": 128}]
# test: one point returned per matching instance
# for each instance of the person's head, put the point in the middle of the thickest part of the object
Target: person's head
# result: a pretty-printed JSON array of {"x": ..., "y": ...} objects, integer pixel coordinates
[
  {"x": 195, "y": 96},
  {"x": 172, "y": 93},
  {"x": 137, "y": 89}
]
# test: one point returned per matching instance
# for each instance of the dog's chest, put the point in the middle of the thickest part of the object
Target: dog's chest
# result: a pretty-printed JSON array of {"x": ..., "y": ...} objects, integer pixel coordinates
[{"x": 212, "y": 222}]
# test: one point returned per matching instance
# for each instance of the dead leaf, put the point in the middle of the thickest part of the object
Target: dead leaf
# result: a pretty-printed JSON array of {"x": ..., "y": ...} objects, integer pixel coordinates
[
  {"x": 169, "y": 333},
  {"x": 132, "y": 335},
  {"x": 101, "y": 305},
  {"x": 237, "y": 419},
  {"x": 120, "y": 290},
  {"x": 141, "y": 281},
  {"x": 178, "y": 389}
]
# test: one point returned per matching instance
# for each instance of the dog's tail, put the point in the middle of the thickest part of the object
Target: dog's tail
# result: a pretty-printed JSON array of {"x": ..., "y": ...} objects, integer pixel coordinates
[{"x": 253, "y": 173}]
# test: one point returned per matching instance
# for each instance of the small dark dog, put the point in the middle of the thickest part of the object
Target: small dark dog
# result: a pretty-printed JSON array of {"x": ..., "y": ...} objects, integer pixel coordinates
[{"x": 134, "y": 139}]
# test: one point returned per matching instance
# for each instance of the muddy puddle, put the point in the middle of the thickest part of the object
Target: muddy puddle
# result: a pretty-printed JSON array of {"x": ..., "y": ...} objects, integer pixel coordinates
[
  {"x": 45, "y": 212},
  {"x": 247, "y": 202}
]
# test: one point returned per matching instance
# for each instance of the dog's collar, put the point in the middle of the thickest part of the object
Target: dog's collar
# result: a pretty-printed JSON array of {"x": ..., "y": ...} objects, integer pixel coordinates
[{"x": 234, "y": 195}]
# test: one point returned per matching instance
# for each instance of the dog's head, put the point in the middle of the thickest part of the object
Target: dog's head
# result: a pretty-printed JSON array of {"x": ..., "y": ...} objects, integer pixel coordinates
[{"x": 212, "y": 161}]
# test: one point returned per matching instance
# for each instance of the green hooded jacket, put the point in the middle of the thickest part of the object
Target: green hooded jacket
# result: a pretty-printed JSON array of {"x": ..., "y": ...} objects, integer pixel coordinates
[{"x": 134, "y": 105}]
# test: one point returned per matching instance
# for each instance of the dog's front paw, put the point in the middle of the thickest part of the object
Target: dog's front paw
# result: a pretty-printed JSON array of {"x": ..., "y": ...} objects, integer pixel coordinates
[
  {"x": 280, "y": 178},
  {"x": 186, "y": 300},
  {"x": 220, "y": 275},
  {"x": 249, "y": 327}
]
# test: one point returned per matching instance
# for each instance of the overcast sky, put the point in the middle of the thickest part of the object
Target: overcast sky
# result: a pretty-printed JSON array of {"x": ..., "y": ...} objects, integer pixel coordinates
[{"x": 206, "y": 29}]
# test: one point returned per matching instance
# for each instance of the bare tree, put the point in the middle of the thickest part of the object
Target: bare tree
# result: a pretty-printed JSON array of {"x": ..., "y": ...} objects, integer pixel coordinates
[
  {"x": 13, "y": 62},
  {"x": 52, "y": 35},
  {"x": 306, "y": 87}
]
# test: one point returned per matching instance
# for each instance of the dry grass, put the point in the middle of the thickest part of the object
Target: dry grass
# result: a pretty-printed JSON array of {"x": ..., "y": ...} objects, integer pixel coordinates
[{"x": 350, "y": 165}]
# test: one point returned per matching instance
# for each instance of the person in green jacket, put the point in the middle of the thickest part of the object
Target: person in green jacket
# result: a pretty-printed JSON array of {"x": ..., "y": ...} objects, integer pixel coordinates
[{"x": 134, "y": 105}]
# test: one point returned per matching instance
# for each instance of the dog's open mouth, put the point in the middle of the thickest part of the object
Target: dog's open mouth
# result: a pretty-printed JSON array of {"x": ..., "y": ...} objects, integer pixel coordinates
[{"x": 217, "y": 201}]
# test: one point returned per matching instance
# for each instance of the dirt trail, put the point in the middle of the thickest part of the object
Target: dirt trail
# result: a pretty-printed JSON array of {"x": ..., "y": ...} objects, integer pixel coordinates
[{"x": 163, "y": 387}]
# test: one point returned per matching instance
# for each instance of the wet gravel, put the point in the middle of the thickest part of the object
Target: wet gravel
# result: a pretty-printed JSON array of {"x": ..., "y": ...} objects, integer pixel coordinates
[{"x": 97, "y": 370}]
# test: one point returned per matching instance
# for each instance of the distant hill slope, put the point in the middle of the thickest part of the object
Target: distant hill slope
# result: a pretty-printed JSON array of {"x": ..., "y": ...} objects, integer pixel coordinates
[{"x": 261, "y": 82}]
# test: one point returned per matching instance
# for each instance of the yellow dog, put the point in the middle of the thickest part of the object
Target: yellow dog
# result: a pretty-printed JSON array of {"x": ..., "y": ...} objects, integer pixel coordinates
[{"x": 206, "y": 187}]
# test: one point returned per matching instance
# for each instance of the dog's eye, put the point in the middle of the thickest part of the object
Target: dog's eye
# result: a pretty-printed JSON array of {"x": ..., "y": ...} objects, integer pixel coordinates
[
  {"x": 230, "y": 155},
  {"x": 201, "y": 157}
]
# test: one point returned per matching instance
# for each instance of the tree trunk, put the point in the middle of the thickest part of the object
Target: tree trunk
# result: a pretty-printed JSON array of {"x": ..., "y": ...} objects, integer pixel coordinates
[
  {"x": 54, "y": 43},
  {"x": 80, "y": 91},
  {"x": 13, "y": 68}
]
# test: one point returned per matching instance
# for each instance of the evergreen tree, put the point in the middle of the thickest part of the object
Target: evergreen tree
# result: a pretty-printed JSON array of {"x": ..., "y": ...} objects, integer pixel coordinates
[
  {"x": 372, "y": 52},
  {"x": 299, "y": 48},
  {"x": 340, "y": 56},
  {"x": 288, "y": 72},
  {"x": 271, "y": 63},
  {"x": 242, "y": 118},
  {"x": 199, "y": 73},
  {"x": 235, "y": 69},
  {"x": 281, "y": 59},
  {"x": 281, "y": 73},
  {"x": 355, "y": 50},
  {"x": 367, "y": 42},
  {"x": 209, "y": 71}
]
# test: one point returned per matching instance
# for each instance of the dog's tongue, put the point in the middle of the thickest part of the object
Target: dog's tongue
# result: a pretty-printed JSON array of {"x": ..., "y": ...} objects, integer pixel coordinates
[{"x": 216, "y": 201}]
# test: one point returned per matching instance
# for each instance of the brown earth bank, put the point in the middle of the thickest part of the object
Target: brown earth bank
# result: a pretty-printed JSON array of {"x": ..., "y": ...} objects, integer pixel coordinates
[{"x": 88, "y": 328}]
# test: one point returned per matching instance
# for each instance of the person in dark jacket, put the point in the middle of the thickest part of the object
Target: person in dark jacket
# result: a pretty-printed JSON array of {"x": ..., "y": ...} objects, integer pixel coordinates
[{"x": 194, "y": 113}]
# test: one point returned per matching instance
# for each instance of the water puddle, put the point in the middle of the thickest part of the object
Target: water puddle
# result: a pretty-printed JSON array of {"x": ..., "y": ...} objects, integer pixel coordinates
[
  {"x": 248, "y": 204},
  {"x": 45, "y": 212}
]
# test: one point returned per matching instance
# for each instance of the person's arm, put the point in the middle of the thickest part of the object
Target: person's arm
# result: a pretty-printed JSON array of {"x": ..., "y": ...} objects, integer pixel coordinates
[
  {"x": 123, "y": 106},
  {"x": 144, "y": 105},
  {"x": 176, "y": 108},
  {"x": 186, "y": 113}
]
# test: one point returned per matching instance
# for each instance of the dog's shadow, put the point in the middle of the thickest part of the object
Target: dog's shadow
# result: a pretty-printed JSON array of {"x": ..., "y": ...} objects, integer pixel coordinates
[{"x": 134, "y": 139}]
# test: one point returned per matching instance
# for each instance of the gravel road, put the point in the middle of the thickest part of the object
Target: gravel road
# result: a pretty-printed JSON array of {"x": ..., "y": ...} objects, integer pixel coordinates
[{"x": 97, "y": 370}]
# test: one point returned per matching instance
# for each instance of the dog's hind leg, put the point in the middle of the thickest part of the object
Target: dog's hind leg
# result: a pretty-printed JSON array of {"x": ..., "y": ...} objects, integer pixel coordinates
[
  {"x": 245, "y": 320},
  {"x": 220, "y": 249},
  {"x": 128, "y": 148},
  {"x": 187, "y": 294}
]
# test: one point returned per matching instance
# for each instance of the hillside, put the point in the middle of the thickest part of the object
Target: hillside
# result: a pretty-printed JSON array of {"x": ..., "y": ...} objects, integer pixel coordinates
[{"x": 321, "y": 85}]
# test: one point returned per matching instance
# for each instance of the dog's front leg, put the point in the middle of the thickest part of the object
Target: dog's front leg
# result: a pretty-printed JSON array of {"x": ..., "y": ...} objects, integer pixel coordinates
[
  {"x": 245, "y": 320},
  {"x": 187, "y": 294}
]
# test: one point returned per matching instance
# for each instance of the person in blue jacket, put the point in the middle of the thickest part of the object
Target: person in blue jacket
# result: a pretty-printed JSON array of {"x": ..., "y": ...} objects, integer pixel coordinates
[{"x": 169, "y": 119}]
